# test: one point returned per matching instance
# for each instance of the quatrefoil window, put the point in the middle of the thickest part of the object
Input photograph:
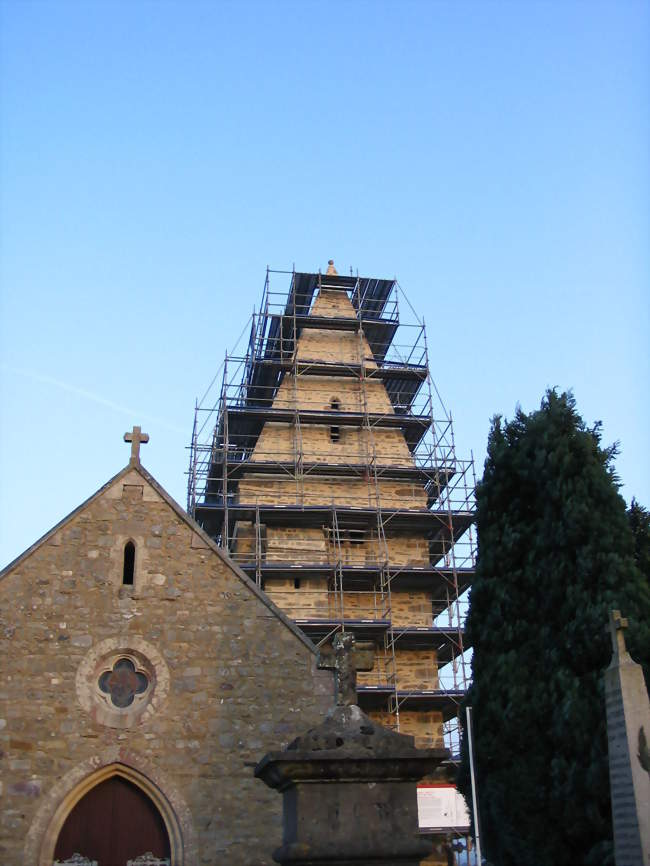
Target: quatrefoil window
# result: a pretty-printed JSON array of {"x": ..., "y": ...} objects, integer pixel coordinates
[{"x": 123, "y": 683}]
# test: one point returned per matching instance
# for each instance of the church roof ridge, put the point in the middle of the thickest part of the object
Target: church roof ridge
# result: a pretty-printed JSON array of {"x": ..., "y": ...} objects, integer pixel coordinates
[{"x": 188, "y": 519}]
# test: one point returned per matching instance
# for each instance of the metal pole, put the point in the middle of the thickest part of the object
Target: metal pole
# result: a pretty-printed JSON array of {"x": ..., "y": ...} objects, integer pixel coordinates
[{"x": 470, "y": 743}]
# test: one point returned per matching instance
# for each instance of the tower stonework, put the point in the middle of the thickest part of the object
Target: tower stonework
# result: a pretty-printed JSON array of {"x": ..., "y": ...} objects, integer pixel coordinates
[{"x": 330, "y": 477}]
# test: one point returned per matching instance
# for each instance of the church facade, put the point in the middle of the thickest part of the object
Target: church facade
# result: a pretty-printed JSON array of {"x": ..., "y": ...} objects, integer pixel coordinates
[{"x": 143, "y": 676}]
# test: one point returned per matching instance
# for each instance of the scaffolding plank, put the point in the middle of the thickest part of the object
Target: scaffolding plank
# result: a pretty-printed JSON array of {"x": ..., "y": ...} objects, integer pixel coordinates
[
  {"x": 445, "y": 642},
  {"x": 437, "y": 475},
  {"x": 246, "y": 422},
  {"x": 439, "y": 581},
  {"x": 442, "y": 527},
  {"x": 317, "y": 629},
  {"x": 444, "y": 701}
]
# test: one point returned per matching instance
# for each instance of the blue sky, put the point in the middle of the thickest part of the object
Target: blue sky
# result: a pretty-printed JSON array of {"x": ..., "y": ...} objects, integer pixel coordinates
[{"x": 155, "y": 157}]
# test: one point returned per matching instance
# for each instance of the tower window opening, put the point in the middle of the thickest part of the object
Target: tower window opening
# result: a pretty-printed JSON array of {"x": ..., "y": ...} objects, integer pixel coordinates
[
  {"x": 335, "y": 430},
  {"x": 296, "y": 583},
  {"x": 129, "y": 564},
  {"x": 357, "y": 536}
]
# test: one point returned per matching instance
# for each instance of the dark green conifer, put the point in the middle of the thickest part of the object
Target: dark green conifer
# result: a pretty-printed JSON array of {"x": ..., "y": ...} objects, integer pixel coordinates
[{"x": 556, "y": 553}]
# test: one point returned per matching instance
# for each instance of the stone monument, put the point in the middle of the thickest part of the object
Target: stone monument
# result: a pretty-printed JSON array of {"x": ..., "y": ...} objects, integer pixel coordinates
[
  {"x": 349, "y": 785},
  {"x": 628, "y": 732}
]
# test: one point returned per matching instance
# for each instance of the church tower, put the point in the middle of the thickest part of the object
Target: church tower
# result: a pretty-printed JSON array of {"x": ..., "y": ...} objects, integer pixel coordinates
[{"x": 327, "y": 470}]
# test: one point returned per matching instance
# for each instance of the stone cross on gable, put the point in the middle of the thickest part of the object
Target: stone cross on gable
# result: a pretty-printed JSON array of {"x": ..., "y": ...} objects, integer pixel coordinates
[
  {"x": 345, "y": 659},
  {"x": 616, "y": 625},
  {"x": 135, "y": 437}
]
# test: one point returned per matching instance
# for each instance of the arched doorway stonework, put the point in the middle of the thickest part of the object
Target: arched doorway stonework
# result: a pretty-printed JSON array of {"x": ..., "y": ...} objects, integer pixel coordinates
[
  {"x": 113, "y": 824},
  {"x": 57, "y": 805}
]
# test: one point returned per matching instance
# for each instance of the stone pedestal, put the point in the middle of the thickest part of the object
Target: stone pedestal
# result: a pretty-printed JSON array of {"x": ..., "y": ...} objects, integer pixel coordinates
[
  {"x": 349, "y": 793},
  {"x": 628, "y": 735}
]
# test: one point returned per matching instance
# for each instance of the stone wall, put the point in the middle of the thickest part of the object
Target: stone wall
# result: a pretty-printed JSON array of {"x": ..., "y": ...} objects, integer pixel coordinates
[
  {"x": 412, "y": 607},
  {"x": 317, "y": 392},
  {"x": 407, "y": 548},
  {"x": 416, "y": 669},
  {"x": 265, "y": 490},
  {"x": 425, "y": 726},
  {"x": 334, "y": 303},
  {"x": 314, "y": 545},
  {"x": 337, "y": 347},
  {"x": 228, "y": 678},
  {"x": 279, "y": 442}
]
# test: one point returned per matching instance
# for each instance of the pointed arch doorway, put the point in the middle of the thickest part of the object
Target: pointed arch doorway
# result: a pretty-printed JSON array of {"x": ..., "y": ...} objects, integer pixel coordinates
[{"x": 114, "y": 822}]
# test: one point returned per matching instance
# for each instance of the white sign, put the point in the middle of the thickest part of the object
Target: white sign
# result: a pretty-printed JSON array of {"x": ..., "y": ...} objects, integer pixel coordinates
[{"x": 441, "y": 807}]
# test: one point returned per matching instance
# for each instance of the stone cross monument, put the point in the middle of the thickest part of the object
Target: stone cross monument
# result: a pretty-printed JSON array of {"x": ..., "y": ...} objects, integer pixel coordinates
[
  {"x": 345, "y": 657},
  {"x": 628, "y": 731},
  {"x": 349, "y": 786}
]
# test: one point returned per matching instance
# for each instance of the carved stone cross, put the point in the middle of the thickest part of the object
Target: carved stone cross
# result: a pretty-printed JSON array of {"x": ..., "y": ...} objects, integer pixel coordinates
[
  {"x": 616, "y": 625},
  {"x": 135, "y": 437},
  {"x": 345, "y": 659}
]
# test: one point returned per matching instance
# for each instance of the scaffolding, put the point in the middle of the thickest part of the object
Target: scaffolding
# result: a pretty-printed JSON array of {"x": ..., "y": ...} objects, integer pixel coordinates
[{"x": 370, "y": 477}]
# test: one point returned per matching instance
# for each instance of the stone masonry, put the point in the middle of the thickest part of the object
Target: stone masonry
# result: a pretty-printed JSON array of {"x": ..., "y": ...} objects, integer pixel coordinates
[{"x": 229, "y": 678}]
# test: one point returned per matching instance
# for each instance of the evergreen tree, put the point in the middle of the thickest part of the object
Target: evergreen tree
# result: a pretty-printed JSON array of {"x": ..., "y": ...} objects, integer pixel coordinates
[
  {"x": 555, "y": 555},
  {"x": 639, "y": 519}
]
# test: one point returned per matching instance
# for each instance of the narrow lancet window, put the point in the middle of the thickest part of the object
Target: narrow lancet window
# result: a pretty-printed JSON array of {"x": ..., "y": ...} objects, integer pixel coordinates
[
  {"x": 335, "y": 431},
  {"x": 129, "y": 564}
]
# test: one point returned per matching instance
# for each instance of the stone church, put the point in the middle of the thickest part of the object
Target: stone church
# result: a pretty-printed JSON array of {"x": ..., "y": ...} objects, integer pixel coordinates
[{"x": 143, "y": 676}]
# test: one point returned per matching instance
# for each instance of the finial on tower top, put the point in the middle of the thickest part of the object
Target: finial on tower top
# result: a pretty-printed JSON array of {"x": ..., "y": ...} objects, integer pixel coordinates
[
  {"x": 331, "y": 270},
  {"x": 135, "y": 437}
]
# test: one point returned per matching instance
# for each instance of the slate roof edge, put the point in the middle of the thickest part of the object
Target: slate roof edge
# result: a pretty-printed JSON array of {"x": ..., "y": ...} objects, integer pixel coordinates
[{"x": 193, "y": 525}]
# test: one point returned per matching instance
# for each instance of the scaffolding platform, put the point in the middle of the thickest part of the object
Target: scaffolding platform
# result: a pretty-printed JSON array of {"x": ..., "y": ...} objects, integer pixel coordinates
[
  {"x": 441, "y": 527},
  {"x": 335, "y": 526},
  {"x": 446, "y": 642},
  {"x": 245, "y": 423},
  {"x": 440, "y": 581},
  {"x": 444, "y": 701},
  {"x": 362, "y": 629}
]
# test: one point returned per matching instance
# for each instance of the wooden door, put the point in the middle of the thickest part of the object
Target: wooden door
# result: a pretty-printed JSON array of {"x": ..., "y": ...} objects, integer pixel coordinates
[{"x": 115, "y": 822}]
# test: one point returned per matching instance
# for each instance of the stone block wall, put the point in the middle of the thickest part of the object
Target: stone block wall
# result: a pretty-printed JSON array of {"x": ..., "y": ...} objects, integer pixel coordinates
[
  {"x": 334, "y": 303},
  {"x": 280, "y": 443},
  {"x": 292, "y": 544},
  {"x": 317, "y": 393},
  {"x": 412, "y": 607},
  {"x": 310, "y": 600},
  {"x": 228, "y": 678},
  {"x": 426, "y": 727},
  {"x": 313, "y": 545},
  {"x": 337, "y": 347},
  {"x": 416, "y": 669},
  {"x": 265, "y": 490},
  {"x": 407, "y": 549}
]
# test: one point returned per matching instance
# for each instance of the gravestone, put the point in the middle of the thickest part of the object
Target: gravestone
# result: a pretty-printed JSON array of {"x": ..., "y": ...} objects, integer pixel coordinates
[{"x": 628, "y": 732}]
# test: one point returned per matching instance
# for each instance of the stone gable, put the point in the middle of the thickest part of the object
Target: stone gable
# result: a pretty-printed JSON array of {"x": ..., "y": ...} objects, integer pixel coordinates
[{"x": 220, "y": 678}]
